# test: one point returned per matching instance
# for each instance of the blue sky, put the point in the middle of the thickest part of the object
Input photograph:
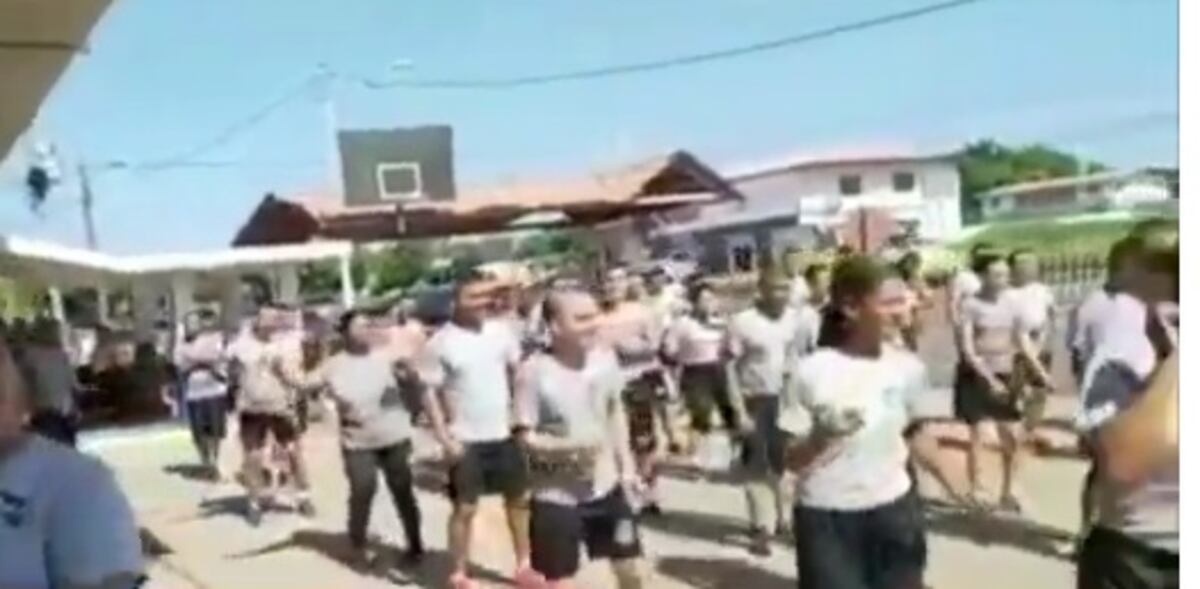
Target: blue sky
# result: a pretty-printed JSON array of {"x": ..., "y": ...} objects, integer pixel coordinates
[{"x": 163, "y": 76}]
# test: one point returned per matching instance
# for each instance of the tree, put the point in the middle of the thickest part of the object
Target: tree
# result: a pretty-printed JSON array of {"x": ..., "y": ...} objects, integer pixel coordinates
[
  {"x": 988, "y": 164},
  {"x": 397, "y": 267}
]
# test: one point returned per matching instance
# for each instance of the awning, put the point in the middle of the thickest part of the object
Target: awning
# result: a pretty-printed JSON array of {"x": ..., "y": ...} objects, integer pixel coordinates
[
  {"x": 673, "y": 181},
  {"x": 38, "y": 38}
]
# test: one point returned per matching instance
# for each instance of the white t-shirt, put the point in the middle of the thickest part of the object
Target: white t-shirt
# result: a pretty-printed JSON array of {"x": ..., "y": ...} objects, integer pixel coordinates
[
  {"x": 574, "y": 404},
  {"x": 966, "y": 284},
  {"x": 472, "y": 369},
  {"x": 1032, "y": 303},
  {"x": 692, "y": 342},
  {"x": 207, "y": 349},
  {"x": 869, "y": 467},
  {"x": 763, "y": 348},
  {"x": 1092, "y": 319},
  {"x": 1116, "y": 376},
  {"x": 994, "y": 325},
  {"x": 262, "y": 391},
  {"x": 53, "y": 379},
  {"x": 799, "y": 292},
  {"x": 371, "y": 409},
  {"x": 63, "y": 520}
]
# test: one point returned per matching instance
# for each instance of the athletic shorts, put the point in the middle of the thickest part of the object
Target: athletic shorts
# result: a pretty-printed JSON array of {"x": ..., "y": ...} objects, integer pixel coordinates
[
  {"x": 207, "y": 416},
  {"x": 878, "y": 548},
  {"x": 974, "y": 400},
  {"x": 254, "y": 427},
  {"x": 763, "y": 448},
  {"x": 607, "y": 527},
  {"x": 489, "y": 468},
  {"x": 640, "y": 397},
  {"x": 704, "y": 388}
]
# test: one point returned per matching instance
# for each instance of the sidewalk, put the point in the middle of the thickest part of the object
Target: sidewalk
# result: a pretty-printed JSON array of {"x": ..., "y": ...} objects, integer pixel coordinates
[{"x": 699, "y": 543}]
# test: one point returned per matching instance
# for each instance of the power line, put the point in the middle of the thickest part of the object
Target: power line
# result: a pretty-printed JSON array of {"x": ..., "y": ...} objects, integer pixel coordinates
[
  {"x": 677, "y": 61},
  {"x": 184, "y": 158}
]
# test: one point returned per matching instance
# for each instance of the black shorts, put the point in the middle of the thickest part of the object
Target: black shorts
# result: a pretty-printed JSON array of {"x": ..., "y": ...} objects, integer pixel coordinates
[
  {"x": 254, "y": 427},
  {"x": 207, "y": 416},
  {"x": 974, "y": 401},
  {"x": 640, "y": 397},
  {"x": 704, "y": 388},
  {"x": 606, "y": 526},
  {"x": 879, "y": 548},
  {"x": 1112, "y": 560},
  {"x": 763, "y": 448},
  {"x": 488, "y": 468}
]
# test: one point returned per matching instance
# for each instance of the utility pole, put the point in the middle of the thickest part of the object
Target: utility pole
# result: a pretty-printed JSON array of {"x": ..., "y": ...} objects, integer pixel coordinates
[{"x": 86, "y": 196}]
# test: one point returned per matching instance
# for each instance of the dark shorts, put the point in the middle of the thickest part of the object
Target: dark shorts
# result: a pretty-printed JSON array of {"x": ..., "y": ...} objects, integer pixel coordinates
[
  {"x": 606, "y": 526},
  {"x": 207, "y": 416},
  {"x": 762, "y": 449},
  {"x": 879, "y": 548},
  {"x": 60, "y": 427},
  {"x": 488, "y": 468},
  {"x": 254, "y": 427},
  {"x": 640, "y": 397},
  {"x": 974, "y": 401},
  {"x": 1111, "y": 560},
  {"x": 704, "y": 388}
]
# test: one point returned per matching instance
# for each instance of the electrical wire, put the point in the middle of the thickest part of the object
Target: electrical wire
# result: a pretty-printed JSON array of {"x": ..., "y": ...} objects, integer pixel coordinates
[
  {"x": 185, "y": 158},
  {"x": 672, "y": 62}
]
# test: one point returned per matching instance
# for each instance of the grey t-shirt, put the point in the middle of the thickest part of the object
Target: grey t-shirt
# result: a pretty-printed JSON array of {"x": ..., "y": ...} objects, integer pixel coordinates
[
  {"x": 63, "y": 520},
  {"x": 764, "y": 348},
  {"x": 994, "y": 325},
  {"x": 1116, "y": 376},
  {"x": 371, "y": 409},
  {"x": 575, "y": 405}
]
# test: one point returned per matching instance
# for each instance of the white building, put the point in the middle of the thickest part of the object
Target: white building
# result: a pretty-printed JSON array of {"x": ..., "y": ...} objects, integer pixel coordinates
[
  {"x": 1099, "y": 192},
  {"x": 921, "y": 191},
  {"x": 799, "y": 202}
]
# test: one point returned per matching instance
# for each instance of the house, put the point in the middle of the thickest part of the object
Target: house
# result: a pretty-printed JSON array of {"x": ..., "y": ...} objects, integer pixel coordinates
[
  {"x": 800, "y": 202},
  {"x": 1103, "y": 191}
]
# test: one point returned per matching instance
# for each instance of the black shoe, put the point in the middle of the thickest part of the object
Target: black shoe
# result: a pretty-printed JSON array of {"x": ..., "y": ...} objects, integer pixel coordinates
[
  {"x": 412, "y": 557},
  {"x": 652, "y": 509},
  {"x": 760, "y": 544},
  {"x": 254, "y": 514}
]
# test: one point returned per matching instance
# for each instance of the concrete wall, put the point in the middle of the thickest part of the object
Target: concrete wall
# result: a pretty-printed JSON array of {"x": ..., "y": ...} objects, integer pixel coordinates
[{"x": 933, "y": 201}]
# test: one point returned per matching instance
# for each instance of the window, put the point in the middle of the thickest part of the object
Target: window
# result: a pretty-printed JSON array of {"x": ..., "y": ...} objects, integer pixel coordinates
[
  {"x": 742, "y": 252},
  {"x": 903, "y": 181},
  {"x": 399, "y": 181},
  {"x": 850, "y": 185}
]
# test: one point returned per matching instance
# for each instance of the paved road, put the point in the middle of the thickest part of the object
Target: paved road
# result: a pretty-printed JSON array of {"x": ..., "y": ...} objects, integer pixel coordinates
[{"x": 698, "y": 543}]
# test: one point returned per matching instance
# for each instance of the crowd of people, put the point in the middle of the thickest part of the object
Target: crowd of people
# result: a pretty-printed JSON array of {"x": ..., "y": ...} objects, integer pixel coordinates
[{"x": 565, "y": 398}]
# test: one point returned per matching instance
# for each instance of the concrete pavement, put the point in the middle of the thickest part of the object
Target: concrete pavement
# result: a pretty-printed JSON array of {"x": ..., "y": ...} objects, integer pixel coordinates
[{"x": 698, "y": 543}]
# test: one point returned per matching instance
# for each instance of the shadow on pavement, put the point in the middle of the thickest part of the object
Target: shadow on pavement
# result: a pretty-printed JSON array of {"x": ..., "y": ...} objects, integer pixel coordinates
[
  {"x": 702, "y": 526},
  {"x": 721, "y": 573},
  {"x": 432, "y": 571},
  {"x": 191, "y": 472},
  {"x": 988, "y": 530}
]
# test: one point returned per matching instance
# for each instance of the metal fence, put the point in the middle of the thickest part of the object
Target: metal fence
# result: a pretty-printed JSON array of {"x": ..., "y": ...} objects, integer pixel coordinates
[{"x": 1073, "y": 276}]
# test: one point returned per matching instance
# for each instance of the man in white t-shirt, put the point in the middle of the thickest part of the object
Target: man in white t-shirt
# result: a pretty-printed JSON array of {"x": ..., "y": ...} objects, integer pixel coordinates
[
  {"x": 762, "y": 343},
  {"x": 267, "y": 359},
  {"x": 201, "y": 360},
  {"x": 1034, "y": 305},
  {"x": 1134, "y": 541},
  {"x": 52, "y": 383},
  {"x": 578, "y": 443},
  {"x": 64, "y": 521},
  {"x": 469, "y": 404}
]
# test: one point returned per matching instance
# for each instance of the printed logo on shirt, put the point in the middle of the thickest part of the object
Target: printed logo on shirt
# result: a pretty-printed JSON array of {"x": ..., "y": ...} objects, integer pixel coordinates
[{"x": 14, "y": 509}]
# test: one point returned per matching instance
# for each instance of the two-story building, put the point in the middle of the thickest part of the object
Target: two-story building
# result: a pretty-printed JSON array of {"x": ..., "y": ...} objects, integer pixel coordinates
[{"x": 800, "y": 202}]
